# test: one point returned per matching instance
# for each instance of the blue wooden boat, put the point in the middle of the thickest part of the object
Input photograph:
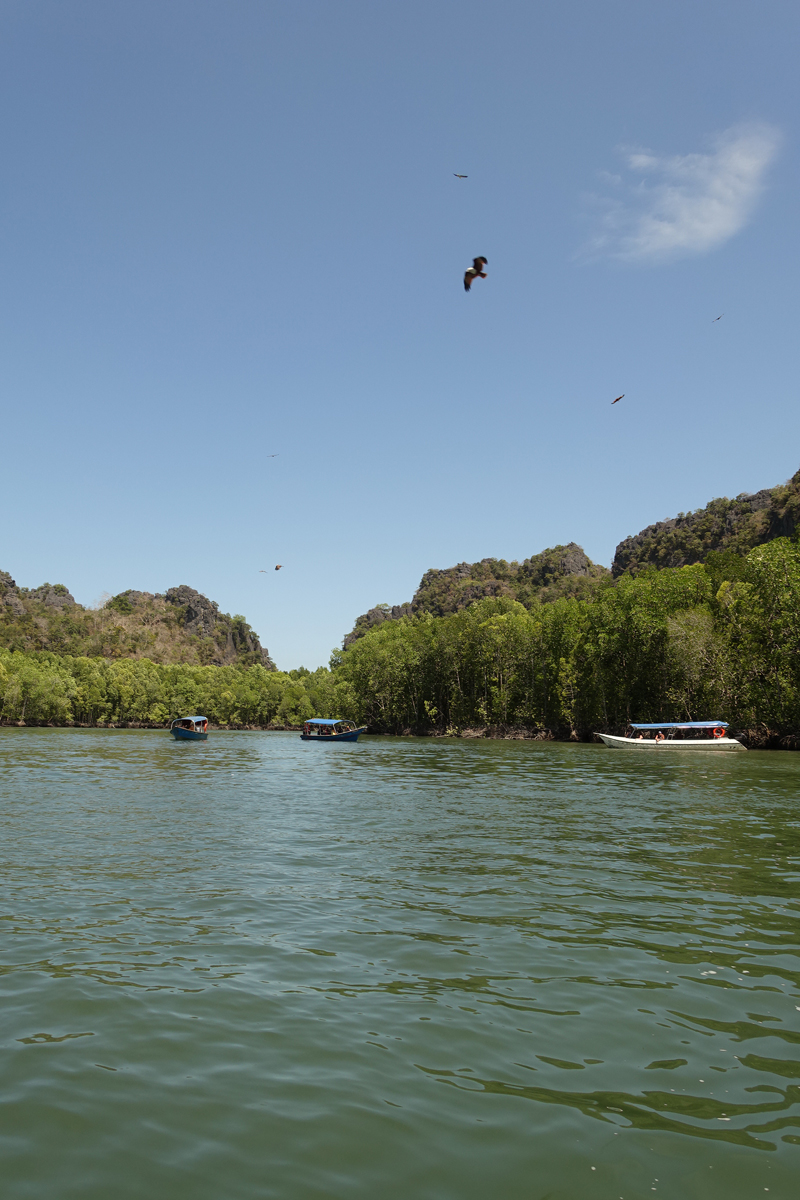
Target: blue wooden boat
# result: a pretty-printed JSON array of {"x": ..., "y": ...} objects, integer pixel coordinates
[
  {"x": 327, "y": 729},
  {"x": 190, "y": 729}
]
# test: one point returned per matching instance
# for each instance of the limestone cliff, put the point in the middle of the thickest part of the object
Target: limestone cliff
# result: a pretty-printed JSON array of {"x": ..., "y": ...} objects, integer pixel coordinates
[
  {"x": 559, "y": 571},
  {"x": 180, "y": 626},
  {"x": 723, "y": 524},
  {"x": 566, "y": 571}
]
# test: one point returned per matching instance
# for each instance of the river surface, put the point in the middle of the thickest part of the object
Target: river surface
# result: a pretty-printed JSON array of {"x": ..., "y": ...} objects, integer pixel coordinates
[{"x": 406, "y": 968}]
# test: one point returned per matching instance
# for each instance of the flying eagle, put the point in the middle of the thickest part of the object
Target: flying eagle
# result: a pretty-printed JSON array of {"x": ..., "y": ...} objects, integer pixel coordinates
[
  {"x": 474, "y": 271},
  {"x": 618, "y": 398},
  {"x": 278, "y": 567},
  {"x": 460, "y": 176},
  {"x": 719, "y": 318}
]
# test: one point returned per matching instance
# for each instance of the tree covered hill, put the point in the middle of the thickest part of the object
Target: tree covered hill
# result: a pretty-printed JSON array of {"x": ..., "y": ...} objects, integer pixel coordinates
[
  {"x": 566, "y": 572},
  {"x": 718, "y": 640},
  {"x": 560, "y": 572},
  {"x": 734, "y": 525},
  {"x": 556, "y": 573},
  {"x": 180, "y": 626}
]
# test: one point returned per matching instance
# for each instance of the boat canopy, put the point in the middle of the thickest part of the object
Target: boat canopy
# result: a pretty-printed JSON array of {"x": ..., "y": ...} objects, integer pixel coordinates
[
  {"x": 324, "y": 721},
  {"x": 683, "y": 725},
  {"x": 195, "y": 719}
]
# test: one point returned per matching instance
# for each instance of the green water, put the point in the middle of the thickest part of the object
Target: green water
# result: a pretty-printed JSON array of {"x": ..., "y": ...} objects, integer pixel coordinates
[{"x": 443, "y": 969}]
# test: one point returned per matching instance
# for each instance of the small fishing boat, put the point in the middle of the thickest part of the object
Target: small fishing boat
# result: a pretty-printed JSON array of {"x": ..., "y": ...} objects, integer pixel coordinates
[
  {"x": 326, "y": 729},
  {"x": 190, "y": 729},
  {"x": 675, "y": 735}
]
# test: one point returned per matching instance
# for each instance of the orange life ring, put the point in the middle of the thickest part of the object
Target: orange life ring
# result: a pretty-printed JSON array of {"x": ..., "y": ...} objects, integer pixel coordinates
[
  {"x": 719, "y": 732},
  {"x": 659, "y": 737}
]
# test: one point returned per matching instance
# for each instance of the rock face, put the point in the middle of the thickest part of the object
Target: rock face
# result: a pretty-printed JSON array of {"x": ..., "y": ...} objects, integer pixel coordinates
[
  {"x": 136, "y": 599},
  {"x": 200, "y": 613},
  {"x": 54, "y": 595},
  {"x": 554, "y": 573},
  {"x": 181, "y": 626},
  {"x": 723, "y": 524},
  {"x": 201, "y": 618},
  {"x": 9, "y": 594},
  {"x": 375, "y": 616},
  {"x": 444, "y": 591},
  {"x": 554, "y": 564}
]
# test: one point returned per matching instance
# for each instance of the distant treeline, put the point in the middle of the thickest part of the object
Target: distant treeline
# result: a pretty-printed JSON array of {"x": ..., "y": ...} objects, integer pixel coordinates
[
  {"x": 42, "y": 687},
  {"x": 718, "y": 640}
]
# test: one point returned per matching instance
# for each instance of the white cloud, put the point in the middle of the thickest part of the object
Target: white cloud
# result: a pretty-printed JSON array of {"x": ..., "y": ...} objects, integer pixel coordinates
[{"x": 684, "y": 203}]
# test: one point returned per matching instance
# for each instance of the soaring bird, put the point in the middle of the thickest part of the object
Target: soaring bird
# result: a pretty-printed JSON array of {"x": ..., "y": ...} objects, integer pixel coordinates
[
  {"x": 278, "y": 567},
  {"x": 474, "y": 271},
  {"x": 460, "y": 176},
  {"x": 272, "y": 455},
  {"x": 618, "y": 398},
  {"x": 719, "y": 318}
]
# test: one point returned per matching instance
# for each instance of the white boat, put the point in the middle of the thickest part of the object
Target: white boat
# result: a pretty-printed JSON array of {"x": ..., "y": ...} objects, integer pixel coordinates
[{"x": 676, "y": 735}]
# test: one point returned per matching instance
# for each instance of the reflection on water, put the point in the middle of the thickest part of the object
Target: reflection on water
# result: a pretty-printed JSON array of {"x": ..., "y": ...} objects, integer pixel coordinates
[{"x": 256, "y": 967}]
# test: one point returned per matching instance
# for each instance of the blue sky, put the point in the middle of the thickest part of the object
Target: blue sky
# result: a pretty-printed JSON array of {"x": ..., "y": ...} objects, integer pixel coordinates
[{"x": 231, "y": 229}]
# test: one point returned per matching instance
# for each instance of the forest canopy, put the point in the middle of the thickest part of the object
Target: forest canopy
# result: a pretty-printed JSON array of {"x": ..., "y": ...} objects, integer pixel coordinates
[{"x": 43, "y": 687}]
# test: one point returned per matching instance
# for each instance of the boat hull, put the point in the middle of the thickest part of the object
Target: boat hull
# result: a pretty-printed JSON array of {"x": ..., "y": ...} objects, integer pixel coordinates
[
  {"x": 624, "y": 743},
  {"x": 188, "y": 735},
  {"x": 350, "y": 736}
]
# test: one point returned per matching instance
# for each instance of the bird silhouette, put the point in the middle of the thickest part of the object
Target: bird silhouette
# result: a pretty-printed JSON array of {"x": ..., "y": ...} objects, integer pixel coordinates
[
  {"x": 460, "y": 176},
  {"x": 618, "y": 398},
  {"x": 278, "y": 567},
  {"x": 272, "y": 456},
  {"x": 475, "y": 271},
  {"x": 719, "y": 318}
]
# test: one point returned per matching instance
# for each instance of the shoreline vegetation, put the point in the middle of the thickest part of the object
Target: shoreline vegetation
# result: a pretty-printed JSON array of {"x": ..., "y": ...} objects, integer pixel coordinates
[
  {"x": 753, "y": 739},
  {"x": 699, "y": 619},
  {"x": 719, "y": 639}
]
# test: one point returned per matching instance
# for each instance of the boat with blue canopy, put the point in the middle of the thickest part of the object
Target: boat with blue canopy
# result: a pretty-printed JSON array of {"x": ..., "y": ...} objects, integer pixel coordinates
[
  {"x": 675, "y": 735},
  {"x": 330, "y": 729},
  {"x": 190, "y": 729}
]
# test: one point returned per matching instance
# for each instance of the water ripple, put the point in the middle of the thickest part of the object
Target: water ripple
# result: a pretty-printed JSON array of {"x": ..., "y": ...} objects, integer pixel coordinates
[{"x": 254, "y": 968}]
